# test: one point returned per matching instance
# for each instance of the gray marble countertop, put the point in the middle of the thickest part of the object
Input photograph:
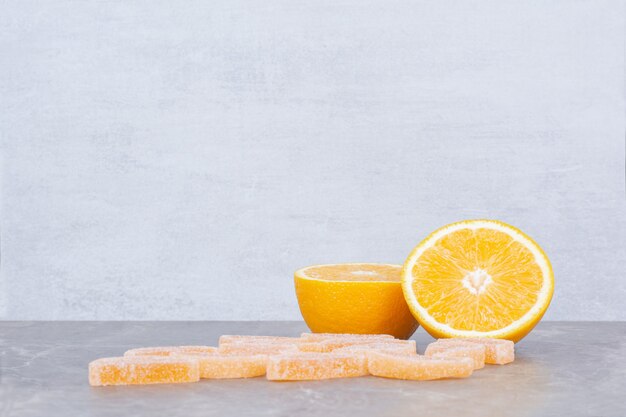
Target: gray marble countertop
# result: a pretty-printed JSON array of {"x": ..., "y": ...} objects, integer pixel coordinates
[{"x": 562, "y": 369}]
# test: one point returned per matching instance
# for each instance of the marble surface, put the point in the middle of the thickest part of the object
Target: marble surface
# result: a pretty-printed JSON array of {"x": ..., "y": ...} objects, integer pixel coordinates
[{"x": 562, "y": 368}]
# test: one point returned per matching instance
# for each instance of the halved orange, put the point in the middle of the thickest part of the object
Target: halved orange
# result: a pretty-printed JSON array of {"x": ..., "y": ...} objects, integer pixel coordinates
[
  {"x": 478, "y": 278},
  {"x": 359, "y": 298}
]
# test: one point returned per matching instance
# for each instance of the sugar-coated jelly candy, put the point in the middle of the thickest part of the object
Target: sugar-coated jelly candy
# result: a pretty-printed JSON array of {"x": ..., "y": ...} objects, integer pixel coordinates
[
  {"x": 409, "y": 347},
  {"x": 168, "y": 350},
  {"x": 460, "y": 349},
  {"x": 130, "y": 370},
  {"x": 260, "y": 348},
  {"x": 313, "y": 366},
  {"x": 221, "y": 366},
  {"x": 497, "y": 351},
  {"x": 417, "y": 367},
  {"x": 283, "y": 340},
  {"x": 315, "y": 337}
]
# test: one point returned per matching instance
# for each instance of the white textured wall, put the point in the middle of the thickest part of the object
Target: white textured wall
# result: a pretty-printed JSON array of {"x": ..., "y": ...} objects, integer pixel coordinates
[{"x": 179, "y": 160}]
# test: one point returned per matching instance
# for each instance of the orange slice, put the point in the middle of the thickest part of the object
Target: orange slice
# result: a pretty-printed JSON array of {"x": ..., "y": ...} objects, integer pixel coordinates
[
  {"x": 478, "y": 278},
  {"x": 360, "y": 298}
]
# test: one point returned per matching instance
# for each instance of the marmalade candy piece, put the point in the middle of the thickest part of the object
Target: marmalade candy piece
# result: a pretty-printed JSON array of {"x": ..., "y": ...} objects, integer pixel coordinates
[
  {"x": 131, "y": 370},
  {"x": 497, "y": 351},
  {"x": 262, "y": 345},
  {"x": 460, "y": 349},
  {"x": 419, "y": 368},
  {"x": 196, "y": 349},
  {"x": 314, "y": 366},
  {"x": 260, "y": 348},
  {"x": 168, "y": 350},
  {"x": 283, "y": 340},
  {"x": 409, "y": 347},
  {"x": 151, "y": 351},
  {"x": 317, "y": 337},
  {"x": 322, "y": 346},
  {"x": 332, "y": 345},
  {"x": 214, "y": 365}
]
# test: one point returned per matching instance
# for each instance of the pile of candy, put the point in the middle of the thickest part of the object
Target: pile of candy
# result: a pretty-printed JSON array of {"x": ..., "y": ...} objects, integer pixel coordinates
[{"x": 312, "y": 356}]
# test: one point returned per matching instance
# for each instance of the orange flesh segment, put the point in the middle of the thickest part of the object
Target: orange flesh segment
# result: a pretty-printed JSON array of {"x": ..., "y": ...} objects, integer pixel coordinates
[
  {"x": 354, "y": 272},
  {"x": 312, "y": 366},
  {"x": 442, "y": 268},
  {"x": 168, "y": 350},
  {"x": 474, "y": 351},
  {"x": 497, "y": 351},
  {"x": 419, "y": 368},
  {"x": 131, "y": 370},
  {"x": 221, "y": 366}
]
